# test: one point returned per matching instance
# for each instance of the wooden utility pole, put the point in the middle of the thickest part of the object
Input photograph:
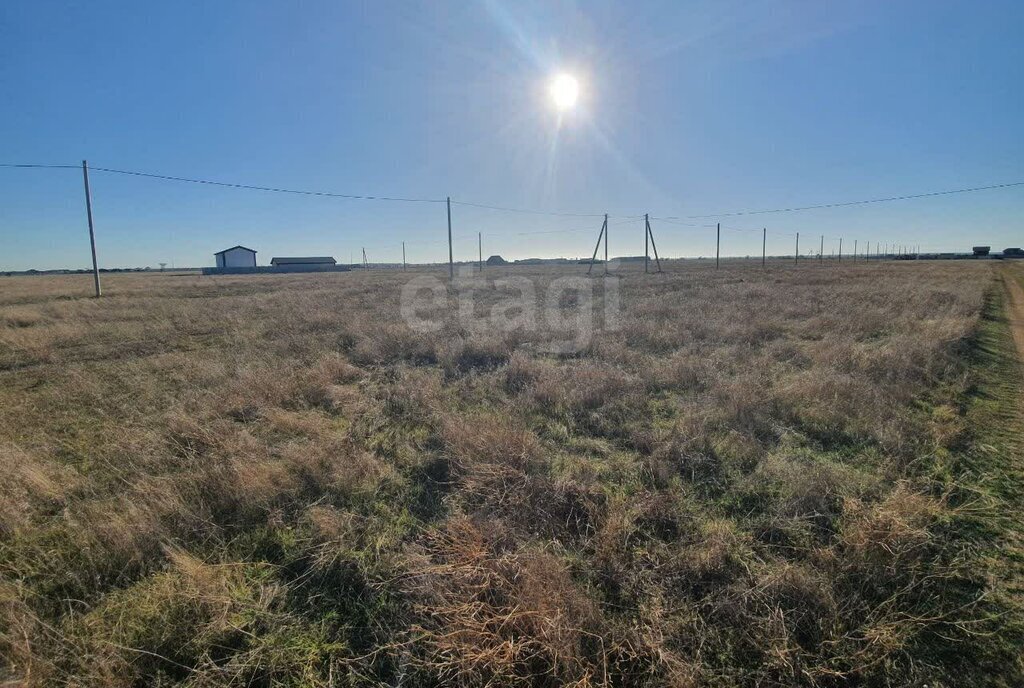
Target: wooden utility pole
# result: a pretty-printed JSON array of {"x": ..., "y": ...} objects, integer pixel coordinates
[
  {"x": 92, "y": 232},
  {"x": 821, "y": 251},
  {"x": 854, "y": 250},
  {"x": 403, "y": 256},
  {"x": 650, "y": 233},
  {"x": 480, "y": 251},
  {"x": 796, "y": 256},
  {"x": 604, "y": 228},
  {"x": 764, "y": 245},
  {"x": 647, "y": 234},
  {"x": 718, "y": 243},
  {"x": 840, "y": 250},
  {"x": 451, "y": 256},
  {"x": 606, "y": 243}
]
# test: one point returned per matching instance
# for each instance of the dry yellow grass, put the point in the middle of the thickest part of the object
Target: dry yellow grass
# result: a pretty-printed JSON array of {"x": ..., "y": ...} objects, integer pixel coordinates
[{"x": 273, "y": 480}]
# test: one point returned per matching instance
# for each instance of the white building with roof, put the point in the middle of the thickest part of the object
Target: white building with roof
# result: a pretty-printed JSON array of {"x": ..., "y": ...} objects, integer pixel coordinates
[{"x": 236, "y": 257}]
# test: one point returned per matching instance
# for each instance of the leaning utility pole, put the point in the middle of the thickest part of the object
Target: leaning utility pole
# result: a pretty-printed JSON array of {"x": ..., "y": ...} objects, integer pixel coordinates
[
  {"x": 92, "y": 232},
  {"x": 650, "y": 234},
  {"x": 606, "y": 243},
  {"x": 597, "y": 246}
]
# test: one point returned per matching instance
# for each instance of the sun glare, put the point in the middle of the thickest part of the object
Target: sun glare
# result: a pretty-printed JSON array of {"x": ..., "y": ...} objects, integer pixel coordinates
[{"x": 565, "y": 90}]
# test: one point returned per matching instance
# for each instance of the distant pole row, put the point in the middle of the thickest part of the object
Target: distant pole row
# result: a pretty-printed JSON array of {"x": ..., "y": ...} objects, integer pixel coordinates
[{"x": 603, "y": 234}]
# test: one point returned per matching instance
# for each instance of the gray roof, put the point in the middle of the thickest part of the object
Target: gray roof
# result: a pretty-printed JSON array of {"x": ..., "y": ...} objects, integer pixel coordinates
[
  {"x": 233, "y": 248},
  {"x": 303, "y": 261}
]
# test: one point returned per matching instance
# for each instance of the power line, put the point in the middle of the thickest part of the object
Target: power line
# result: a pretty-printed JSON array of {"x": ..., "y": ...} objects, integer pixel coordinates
[
  {"x": 864, "y": 202},
  {"x": 671, "y": 219},
  {"x": 34, "y": 165},
  {"x": 329, "y": 194},
  {"x": 252, "y": 187}
]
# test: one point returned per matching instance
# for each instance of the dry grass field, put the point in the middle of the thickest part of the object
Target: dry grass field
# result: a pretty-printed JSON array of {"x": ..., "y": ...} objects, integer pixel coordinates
[{"x": 785, "y": 477}]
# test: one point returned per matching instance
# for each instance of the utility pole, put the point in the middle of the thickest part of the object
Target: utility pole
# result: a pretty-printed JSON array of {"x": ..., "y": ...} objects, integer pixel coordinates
[
  {"x": 451, "y": 257},
  {"x": 92, "y": 232},
  {"x": 650, "y": 233},
  {"x": 597, "y": 246},
  {"x": 606, "y": 243},
  {"x": 403, "y": 256},
  {"x": 718, "y": 243},
  {"x": 764, "y": 245},
  {"x": 840, "y": 250},
  {"x": 647, "y": 234},
  {"x": 480, "y": 251},
  {"x": 821, "y": 251},
  {"x": 796, "y": 255}
]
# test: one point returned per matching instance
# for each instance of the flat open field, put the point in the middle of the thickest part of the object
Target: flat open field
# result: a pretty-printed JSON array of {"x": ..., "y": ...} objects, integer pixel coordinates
[{"x": 787, "y": 477}]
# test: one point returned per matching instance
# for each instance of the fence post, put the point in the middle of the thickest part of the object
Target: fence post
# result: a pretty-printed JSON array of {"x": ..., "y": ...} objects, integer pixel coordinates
[{"x": 92, "y": 233}]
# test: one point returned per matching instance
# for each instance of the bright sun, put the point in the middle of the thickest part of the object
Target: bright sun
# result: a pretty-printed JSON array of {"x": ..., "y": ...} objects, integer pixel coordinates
[{"x": 565, "y": 90}]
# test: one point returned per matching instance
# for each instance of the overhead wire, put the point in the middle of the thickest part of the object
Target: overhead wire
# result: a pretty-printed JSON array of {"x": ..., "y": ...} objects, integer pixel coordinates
[{"x": 676, "y": 220}]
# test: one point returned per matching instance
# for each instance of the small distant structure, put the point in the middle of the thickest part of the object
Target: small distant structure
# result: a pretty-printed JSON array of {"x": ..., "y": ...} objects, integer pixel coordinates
[
  {"x": 496, "y": 260},
  {"x": 236, "y": 257},
  {"x": 981, "y": 250},
  {"x": 311, "y": 262},
  {"x": 1013, "y": 253}
]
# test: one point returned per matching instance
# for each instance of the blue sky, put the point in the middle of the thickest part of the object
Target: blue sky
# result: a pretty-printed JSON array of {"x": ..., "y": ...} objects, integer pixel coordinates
[{"x": 687, "y": 108}]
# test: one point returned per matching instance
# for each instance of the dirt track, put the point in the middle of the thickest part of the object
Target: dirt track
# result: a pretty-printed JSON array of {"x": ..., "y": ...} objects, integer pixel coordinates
[{"x": 1015, "y": 308}]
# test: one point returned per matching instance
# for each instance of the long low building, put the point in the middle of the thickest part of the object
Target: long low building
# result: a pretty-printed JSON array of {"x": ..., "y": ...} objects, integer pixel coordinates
[
  {"x": 240, "y": 260},
  {"x": 315, "y": 261}
]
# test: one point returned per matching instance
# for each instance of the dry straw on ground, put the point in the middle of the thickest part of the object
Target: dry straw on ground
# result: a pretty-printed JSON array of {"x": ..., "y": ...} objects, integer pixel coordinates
[{"x": 272, "y": 480}]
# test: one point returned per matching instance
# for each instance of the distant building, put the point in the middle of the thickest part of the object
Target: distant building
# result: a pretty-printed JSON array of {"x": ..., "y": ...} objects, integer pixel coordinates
[
  {"x": 299, "y": 263},
  {"x": 235, "y": 257},
  {"x": 1013, "y": 253},
  {"x": 496, "y": 260},
  {"x": 981, "y": 250}
]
